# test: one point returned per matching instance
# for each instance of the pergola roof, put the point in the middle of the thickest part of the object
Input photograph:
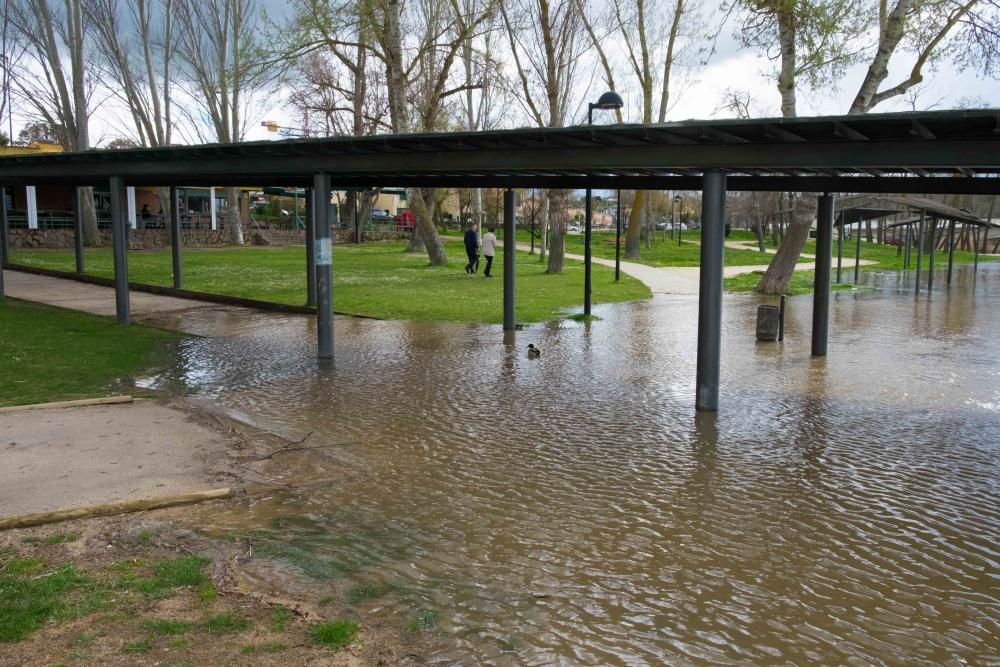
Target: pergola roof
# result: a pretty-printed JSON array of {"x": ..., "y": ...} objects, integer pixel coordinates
[
  {"x": 865, "y": 207},
  {"x": 951, "y": 151}
]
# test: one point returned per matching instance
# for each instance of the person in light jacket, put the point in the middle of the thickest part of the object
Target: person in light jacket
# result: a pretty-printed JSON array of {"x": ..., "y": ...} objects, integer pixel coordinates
[{"x": 489, "y": 250}]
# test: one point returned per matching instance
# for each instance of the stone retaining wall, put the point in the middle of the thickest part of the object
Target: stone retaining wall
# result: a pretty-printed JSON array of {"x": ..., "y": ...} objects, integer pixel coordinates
[{"x": 151, "y": 239}]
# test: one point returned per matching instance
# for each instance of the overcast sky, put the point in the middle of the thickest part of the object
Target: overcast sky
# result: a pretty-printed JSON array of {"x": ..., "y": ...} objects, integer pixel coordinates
[{"x": 731, "y": 67}]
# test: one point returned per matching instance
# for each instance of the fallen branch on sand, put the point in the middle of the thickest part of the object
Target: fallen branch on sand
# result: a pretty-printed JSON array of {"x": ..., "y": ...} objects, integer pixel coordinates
[{"x": 114, "y": 508}]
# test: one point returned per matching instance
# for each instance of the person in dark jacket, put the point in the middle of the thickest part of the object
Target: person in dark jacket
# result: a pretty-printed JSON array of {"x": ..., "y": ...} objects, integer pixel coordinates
[{"x": 472, "y": 249}]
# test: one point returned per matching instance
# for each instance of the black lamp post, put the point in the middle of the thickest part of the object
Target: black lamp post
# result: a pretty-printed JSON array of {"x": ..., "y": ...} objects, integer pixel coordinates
[
  {"x": 609, "y": 100},
  {"x": 677, "y": 202},
  {"x": 618, "y": 237}
]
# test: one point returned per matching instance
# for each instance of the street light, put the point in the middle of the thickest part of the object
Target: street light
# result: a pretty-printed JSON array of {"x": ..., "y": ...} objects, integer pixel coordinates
[
  {"x": 677, "y": 202},
  {"x": 291, "y": 132},
  {"x": 609, "y": 100}
]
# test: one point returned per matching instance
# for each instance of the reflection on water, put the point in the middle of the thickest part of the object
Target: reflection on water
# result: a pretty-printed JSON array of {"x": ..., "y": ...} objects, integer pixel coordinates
[{"x": 574, "y": 509}]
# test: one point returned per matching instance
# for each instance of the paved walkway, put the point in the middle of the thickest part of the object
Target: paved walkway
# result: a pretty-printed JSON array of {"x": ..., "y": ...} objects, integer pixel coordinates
[
  {"x": 89, "y": 298},
  {"x": 685, "y": 279}
]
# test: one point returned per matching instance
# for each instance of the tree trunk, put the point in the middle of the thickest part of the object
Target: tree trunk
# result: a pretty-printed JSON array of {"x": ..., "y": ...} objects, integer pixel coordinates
[
  {"x": 164, "y": 196},
  {"x": 779, "y": 273},
  {"x": 234, "y": 226},
  {"x": 425, "y": 225},
  {"x": 761, "y": 242},
  {"x": 633, "y": 235},
  {"x": 557, "y": 220},
  {"x": 544, "y": 206},
  {"x": 88, "y": 214},
  {"x": 786, "y": 77}
]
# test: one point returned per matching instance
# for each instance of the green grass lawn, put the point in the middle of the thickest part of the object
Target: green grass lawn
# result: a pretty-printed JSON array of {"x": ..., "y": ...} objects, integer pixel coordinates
[
  {"x": 376, "y": 280},
  {"x": 883, "y": 255},
  {"x": 663, "y": 252},
  {"x": 51, "y": 354}
]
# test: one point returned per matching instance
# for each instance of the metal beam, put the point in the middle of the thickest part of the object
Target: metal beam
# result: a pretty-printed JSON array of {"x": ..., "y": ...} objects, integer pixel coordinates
[
  {"x": 509, "y": 261},
  {"x": 175, "y": 237},
  {"x": 310, "y": 247},
  {"x": 946, "y": 155},
  {"x": 946, "y": 183},
  {"x": 821, "y": 284},
  {"x": 119, "y": 236},
  {"x": 713, "y": 219},
  {"x": 323, "y": 265}
]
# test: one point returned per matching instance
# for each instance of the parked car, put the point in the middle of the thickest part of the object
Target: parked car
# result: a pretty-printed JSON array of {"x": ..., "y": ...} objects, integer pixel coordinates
[
  {"x": 381, "y": 216},
  {"x": 573, "y": 228},
  {"x": 404, "y": 220}
]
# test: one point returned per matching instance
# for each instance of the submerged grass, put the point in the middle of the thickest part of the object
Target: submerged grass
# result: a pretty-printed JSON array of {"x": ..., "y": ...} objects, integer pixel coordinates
[
  {"x": 334, "y": 634},
  {"x": 49, "y": 354},
  {"x": 374, "y": 279}
]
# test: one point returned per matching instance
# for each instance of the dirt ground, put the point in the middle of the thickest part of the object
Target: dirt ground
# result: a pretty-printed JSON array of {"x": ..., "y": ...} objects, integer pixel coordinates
[
  {"x": 117, "y": 631},
  {"x": 107, "y": 619}
]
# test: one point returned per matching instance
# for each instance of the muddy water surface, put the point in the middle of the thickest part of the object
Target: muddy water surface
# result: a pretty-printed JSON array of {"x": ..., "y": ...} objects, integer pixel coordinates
[{"x": 574, "y": 509}]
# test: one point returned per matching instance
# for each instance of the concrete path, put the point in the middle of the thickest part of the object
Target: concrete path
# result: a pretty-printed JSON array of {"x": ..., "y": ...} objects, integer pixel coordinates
[
  {"x": 76, "y": 457},
  {"x": 89, "y": 298},
  {"x": 685, "y": 279}
]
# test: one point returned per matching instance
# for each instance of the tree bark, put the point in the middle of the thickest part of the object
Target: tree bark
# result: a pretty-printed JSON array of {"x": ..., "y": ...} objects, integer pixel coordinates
[
  {"x": 779, "y": 272},
  {"x": 425, "y": 226},
  {"x": 633, "y": 235},
  {"x": 557, "y": 223},
  {"x": 234, "y": 226},
  {"x": 88, "y": 214}
]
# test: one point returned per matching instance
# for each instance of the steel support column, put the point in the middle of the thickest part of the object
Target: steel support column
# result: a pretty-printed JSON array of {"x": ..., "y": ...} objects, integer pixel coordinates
[
  {"x": 857, "y": 255},
  {"x": 509, "y": 261},
  {"x": 119, "y": 237},
  {"x": 920, "y": 251},
  {"x": 310, "y": 249},
  {"x": 906, "y": 254},
  {"x": 78, "y": 231},
  {"x": 821, "y": 284},
  {"x": 618, "y": 237},
  {"x": 951, "y": 247},
  {"x": 175, "y": 236},
  {"x": 4, "y": 228},
  {"x": 930, "y": 260},
  {"x": 588, "y": 227},
  {"x": 840, "y": 247},
  {"x": 713, "y": 237},
  {"x": 323, "y": 264}
]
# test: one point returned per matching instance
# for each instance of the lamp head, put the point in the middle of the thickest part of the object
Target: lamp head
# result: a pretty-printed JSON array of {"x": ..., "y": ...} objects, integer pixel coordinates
[{"x": 609, "y": 100}]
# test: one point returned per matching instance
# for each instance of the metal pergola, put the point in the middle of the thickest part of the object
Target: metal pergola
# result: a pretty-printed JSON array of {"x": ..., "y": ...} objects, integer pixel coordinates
[{"x": 928, "y": 152}]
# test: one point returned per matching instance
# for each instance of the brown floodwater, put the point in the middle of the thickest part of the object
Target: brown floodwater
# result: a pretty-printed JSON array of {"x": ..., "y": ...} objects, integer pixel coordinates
[{"x": 574, "y": 509}]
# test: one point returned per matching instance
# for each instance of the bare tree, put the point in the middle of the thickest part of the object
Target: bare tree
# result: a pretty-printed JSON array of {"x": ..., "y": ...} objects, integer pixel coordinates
[
  {"x": 932, "y": 29},
  {"x": 967, "y": 30},
  {"x": 224, "y": 65},
  {"x": 545, "y": 43},
  {"x": 650, "y": 62},
  {"x": 49, "y": 92},
  {"x": 136, "y": 49}
]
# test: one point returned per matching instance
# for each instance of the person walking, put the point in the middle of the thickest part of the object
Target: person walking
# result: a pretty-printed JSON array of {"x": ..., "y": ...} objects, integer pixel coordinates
[
  {"x": 472, "y": 249},
  {"x": 489, "y": 250}
]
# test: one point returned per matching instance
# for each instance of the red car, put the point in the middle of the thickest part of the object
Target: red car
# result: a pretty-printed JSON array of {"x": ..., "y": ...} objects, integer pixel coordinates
[{"x": 404, "y": 220}]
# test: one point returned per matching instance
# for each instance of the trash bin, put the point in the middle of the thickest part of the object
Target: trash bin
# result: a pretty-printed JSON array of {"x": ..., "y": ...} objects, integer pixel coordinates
[{"x": 768, "y": 321}]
